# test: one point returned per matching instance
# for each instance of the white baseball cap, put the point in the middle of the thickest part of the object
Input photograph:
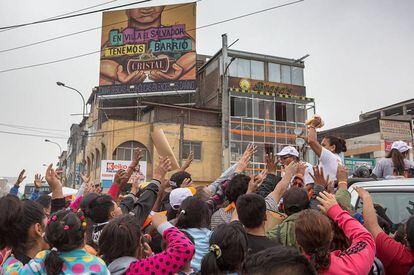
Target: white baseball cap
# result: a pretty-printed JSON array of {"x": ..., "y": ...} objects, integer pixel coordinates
[
  {"x": 288, "y": 150},
  {"x": 400, "y": 146},
  {"x": 178, "y": 195}
]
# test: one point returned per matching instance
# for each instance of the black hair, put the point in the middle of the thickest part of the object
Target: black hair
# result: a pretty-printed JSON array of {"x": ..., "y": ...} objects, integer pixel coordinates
[
  {"x": 16, "y": 218},
  {"x": 193, "y": 213},
  {"x": 295, "y": 200},
  {"x": 400, "y": 234},
  {"x": 340, "y": 144},
  {"x": 278, "y": 260},
  {"x": 251, "y": 209},
  {"x": 100, "y": 208},
  {"x": 398, "y": 161},
  {"x": 44, "y": 200},
  {"x": 237, "y": 187},
  {"x": 64, "y": 233},
  {"x": 409, "y": 229},
  {"x": 119, "y": 238},
  {"x": 179, "y": 177},
  {"x": 231, "y": 239},
  {"x": 171, "y": 214}
]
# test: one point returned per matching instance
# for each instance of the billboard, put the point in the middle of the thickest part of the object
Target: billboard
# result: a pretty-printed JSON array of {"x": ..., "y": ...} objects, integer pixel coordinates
[
  {"x": 395, "y": 130},
  {"x": 354, "y": 163},
  {"x": 110, "y": 167},
  {"x": 149, "y": 49}
]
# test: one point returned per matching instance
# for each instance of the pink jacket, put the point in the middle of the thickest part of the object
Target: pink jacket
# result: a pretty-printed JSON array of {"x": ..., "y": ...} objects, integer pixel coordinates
[
  {"x": 180, "y": 251},
  {"x": 358, "y": 258}
]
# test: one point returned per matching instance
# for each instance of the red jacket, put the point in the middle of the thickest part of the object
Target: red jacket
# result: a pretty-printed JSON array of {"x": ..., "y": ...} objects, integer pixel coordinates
[
  {"x": 358, "y": 258},
  {"x": 396, "y": 258}
]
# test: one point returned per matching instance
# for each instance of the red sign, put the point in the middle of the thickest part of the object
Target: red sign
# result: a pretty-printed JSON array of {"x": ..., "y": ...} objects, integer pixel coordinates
[{"x": 387, "y": 145}]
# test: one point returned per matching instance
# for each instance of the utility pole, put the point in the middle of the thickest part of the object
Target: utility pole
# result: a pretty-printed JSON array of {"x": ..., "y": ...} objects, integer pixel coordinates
[
  {"x": 181, "y": 116},
  {"x": 225, "y": 159}
]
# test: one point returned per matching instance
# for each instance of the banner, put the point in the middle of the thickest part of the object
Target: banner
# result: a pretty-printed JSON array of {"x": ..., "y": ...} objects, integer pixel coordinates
[
  {"x": 110, "y": 167},
  {"x": 143, "y": 47},
  {"x": 354, "y": 163}
]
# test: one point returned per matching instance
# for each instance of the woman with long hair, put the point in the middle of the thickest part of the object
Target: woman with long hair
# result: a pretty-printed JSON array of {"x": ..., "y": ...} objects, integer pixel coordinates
[
  {"x": 314, "y": 235},
  {"x": 395, "y": 163}
]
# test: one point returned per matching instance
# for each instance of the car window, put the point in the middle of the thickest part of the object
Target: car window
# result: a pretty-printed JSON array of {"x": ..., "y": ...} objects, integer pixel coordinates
[{"x": 399, "y": 206}]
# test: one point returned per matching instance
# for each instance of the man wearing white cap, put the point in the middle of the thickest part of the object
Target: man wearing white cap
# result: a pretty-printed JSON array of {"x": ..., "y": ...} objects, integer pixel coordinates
[
  {"x": 396, "y": 162},
  {"x": 289, "y": 154}
]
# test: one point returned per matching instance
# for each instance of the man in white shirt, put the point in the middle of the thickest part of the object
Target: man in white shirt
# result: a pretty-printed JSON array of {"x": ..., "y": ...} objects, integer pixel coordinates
[{"x": 289, "y": 154}]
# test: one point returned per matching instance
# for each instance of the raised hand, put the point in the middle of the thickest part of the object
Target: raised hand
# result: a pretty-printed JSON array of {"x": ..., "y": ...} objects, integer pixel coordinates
[
  {"x": 271, "y": 166},
  {"x": 38, "y": 181},
  {"x": 362, "y": 193},
  {"x": 291, "y": 169},
  {"x": 137, "y": 157},
  {"x": 256, "y": 181},
  {"x": 342, "y": 173},
  {"x": 121, "y": 177},
  {"x": 84, "y": 177},
  {"x": 186, "y": 183},
  {"x": 319, "y": 177},
  {"x": 157, "y": 219},
  {"x": 188, "y": 161},
  {"x": 245, "y": 159},
  {"x": 326, "y": 201},
  {"x": 301, "y": 169},
  {"x": 53, "y": 179},
  {"x": 21, "y": 178},
  {"x": 163, "y": 167}
]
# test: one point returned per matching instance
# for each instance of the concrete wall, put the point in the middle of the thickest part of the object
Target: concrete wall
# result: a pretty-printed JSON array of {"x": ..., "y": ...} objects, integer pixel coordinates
[{"x": 115, "y": 132}]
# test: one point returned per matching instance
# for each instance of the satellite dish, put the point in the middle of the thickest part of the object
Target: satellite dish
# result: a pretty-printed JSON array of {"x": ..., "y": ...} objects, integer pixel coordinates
[
  {"x": 298, "y": 131},
  {"x": 300, "y": 142}
]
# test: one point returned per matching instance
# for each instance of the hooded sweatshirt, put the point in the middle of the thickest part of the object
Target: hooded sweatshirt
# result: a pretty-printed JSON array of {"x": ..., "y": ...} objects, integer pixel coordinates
[
  {"x": 284, "y": 233},
  {"x": 201, "y": 238},
  {"x": 120, "y": 265}
]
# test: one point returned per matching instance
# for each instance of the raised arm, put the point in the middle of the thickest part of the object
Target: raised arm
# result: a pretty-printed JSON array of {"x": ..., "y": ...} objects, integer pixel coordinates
[
  {"x": 368, "y": 212},
  {"x": 52, "y": 178},
  {"x": 360, "y": 255}
]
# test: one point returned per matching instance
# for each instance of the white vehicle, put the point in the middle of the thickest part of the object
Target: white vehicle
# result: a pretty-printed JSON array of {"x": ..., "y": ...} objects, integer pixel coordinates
[{"x": 396, "y": 196}]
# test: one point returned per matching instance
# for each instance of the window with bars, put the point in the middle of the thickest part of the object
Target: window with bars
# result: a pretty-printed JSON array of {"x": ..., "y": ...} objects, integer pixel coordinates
[{"x": 194, "y": 146}]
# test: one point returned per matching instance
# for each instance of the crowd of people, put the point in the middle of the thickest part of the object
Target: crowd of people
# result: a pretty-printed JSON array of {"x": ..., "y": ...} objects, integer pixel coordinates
[{"x": 298, "y": 222}]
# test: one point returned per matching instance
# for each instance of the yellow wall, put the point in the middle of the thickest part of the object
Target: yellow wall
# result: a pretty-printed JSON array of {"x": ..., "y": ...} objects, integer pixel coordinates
[{"x": 115, "y": 132}]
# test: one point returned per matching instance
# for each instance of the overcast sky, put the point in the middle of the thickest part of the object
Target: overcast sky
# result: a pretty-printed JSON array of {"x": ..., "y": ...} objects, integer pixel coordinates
[{"x": 361, "y": 58}]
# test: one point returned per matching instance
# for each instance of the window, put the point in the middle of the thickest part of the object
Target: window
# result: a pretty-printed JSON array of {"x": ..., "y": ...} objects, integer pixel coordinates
[
  {"x": 300, "y": 113},
  {"x": 280, "y": 110},
  {"x": 126, "y": 151},
  {"x": 257, "y": 70},
  {"x": 194, "y": 146},
  {"x": 269, "y": 110},
  {"x": 274, "y": 72},
  {"x": 297, "y": 76},
  {"x": 243, "y": 68},
  {"x": 286, "y": 74},
  {"x": 238, "y": 106},
  {"x": 290, "y": 112}
]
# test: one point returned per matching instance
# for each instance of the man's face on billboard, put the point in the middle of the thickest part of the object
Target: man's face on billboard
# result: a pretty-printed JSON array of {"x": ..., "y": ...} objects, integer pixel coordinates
[{"x": 145, "y": 15}]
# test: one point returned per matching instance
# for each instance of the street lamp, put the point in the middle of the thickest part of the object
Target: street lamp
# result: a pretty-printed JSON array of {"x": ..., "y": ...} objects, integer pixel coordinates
[
  {"x": 83, "y": 99},
  {"x": 60, "y": 148}
]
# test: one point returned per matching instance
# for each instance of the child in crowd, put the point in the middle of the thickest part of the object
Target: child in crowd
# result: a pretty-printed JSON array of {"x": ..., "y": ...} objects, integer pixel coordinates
[
  {"x": 228, "y": 248},
  {"x": 121, "y": 246},
  {"x": 65, "y": 236},
  {"x": 194, "y": 218},
  {"x": 22, "y": 225}
]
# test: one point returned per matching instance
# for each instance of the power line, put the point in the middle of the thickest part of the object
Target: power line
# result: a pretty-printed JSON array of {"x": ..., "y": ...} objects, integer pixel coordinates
[
  {"x": 201, "y": 27},
  {"x": 29, "y": 127},
  {"x": 31, "y": 135},
  {"x": 68, "y": 13},
  {"x": 74, "y": 15},
  {"x": 80, "y": 32}
]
